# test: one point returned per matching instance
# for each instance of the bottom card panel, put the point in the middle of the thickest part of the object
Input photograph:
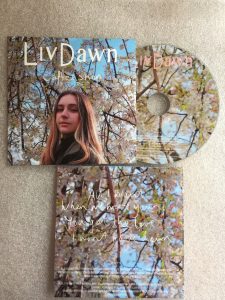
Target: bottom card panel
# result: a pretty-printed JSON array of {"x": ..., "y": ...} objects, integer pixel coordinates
[{"x": 119, "y": 232}]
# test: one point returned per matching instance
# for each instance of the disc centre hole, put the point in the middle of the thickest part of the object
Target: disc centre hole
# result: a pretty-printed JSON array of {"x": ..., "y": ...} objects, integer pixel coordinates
[{"x": 158, "y": 104}]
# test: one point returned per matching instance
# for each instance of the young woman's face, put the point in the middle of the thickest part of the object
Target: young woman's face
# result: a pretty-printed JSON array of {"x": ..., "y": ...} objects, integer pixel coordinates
[{"x": 67, "y": 115}]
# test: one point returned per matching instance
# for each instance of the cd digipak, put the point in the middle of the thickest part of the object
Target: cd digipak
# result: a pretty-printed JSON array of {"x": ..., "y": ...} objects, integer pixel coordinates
[
  {"x": 177, "y": 104},
  {"x": 71, "y": 100}
]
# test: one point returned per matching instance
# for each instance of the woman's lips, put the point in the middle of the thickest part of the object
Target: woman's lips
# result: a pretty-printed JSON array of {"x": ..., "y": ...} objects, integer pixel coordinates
[{"x": 64, "y": 124}]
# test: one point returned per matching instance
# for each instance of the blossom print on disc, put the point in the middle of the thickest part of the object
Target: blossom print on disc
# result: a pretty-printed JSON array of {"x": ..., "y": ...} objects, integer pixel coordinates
[{"x": 177, "y": 104}]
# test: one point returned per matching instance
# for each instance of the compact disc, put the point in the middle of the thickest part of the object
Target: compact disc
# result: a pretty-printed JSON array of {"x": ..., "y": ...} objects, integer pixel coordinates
[{"x": 177, "y": 104}]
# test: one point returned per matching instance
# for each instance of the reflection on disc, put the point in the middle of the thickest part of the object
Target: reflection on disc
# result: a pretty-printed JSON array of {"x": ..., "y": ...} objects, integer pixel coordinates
[{"x": 177, "y": 104}]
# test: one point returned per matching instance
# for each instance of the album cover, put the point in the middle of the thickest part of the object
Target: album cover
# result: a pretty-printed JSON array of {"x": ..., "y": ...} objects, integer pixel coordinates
[
  {"x": 119, "y": 232},
  {"x": 71, "y": 100}
]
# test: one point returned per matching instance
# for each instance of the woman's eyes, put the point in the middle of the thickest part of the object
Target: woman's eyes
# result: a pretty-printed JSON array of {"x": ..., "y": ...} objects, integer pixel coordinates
[{"x": 72, "y": 109}]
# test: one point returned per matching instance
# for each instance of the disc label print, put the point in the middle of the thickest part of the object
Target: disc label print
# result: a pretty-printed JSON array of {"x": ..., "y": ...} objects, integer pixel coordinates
[{"x": 177, "y": 104}]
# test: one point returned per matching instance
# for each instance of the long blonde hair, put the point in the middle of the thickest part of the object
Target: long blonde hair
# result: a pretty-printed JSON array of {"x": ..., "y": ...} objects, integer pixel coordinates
[{"x": 85, "y": 134}]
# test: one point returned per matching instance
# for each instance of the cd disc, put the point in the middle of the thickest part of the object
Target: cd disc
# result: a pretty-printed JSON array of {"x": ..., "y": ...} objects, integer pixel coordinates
[{"x": 177, "y": 104}]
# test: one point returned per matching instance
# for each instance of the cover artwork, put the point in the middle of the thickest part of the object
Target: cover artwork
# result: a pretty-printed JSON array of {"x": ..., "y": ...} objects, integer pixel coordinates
[
  {"x": 71, "y": 101},
  {"x": 119, "y": 232}
]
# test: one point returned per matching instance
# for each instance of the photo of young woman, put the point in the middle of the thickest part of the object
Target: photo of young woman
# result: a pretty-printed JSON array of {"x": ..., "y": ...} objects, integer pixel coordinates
[{"x": 73, "y": 136}]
